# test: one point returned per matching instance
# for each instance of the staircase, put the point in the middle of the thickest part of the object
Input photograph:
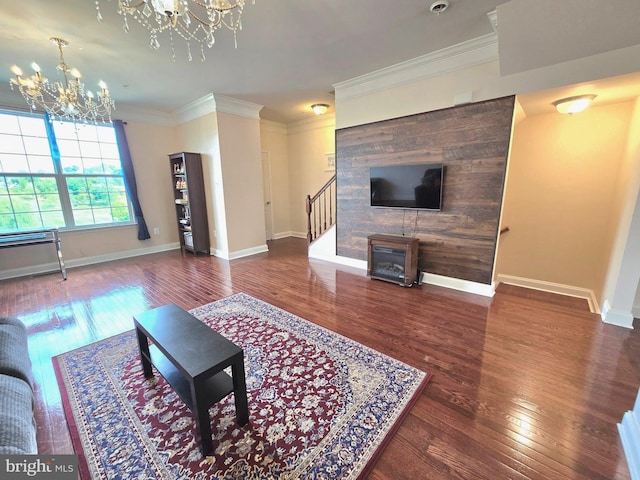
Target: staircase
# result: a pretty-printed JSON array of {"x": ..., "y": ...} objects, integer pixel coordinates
[{"x": 321, "y": 210}]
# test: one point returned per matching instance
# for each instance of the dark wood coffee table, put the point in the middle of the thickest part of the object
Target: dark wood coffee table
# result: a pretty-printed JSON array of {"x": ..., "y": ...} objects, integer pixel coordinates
[{"x": 191, "y": 357}]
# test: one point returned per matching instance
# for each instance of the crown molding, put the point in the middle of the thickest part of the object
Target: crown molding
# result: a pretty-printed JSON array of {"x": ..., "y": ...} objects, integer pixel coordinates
[
  {"x": 212, "y": 103},
  {"x": 196, "y": 109},
  {"x": 328, "y": 120},
  {"x": 474, "y": 52},
  {"x": 273, "y": 127},
  {"x": 237, "y": 107}
]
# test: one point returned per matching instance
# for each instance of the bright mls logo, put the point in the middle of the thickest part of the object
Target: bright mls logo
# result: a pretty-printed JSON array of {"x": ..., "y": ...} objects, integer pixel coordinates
[{"x": 45, "y": 467}]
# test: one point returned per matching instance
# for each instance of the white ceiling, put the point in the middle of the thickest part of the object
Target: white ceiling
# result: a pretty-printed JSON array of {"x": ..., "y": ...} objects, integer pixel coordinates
[{"x": 290, "y": 52}]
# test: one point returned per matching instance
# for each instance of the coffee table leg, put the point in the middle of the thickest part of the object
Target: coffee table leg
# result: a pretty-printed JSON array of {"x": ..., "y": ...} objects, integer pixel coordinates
[
  {"x": 203, "y": 422},
  {"x": 240, "y": 392},
  {"x": 145, "y": 356}
]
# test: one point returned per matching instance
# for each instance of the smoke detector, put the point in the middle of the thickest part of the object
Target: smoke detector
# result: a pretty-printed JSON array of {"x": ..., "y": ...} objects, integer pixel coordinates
[{"x": 439, "y": 6}]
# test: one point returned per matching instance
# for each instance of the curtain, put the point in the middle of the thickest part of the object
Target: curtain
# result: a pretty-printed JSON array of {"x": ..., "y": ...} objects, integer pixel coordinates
[{"x": 130, "y": 179}]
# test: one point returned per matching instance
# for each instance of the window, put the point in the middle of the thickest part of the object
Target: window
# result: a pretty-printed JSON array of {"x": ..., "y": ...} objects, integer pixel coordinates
[{"x": 64, "y": 176}]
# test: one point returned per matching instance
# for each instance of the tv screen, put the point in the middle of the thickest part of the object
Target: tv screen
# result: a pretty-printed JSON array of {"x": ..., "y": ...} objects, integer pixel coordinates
[{"x": 407, "y": 186}]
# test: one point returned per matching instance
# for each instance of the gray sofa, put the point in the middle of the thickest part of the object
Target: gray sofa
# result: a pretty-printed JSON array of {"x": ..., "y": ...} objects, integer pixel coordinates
[{"x": 17, "y": 423}]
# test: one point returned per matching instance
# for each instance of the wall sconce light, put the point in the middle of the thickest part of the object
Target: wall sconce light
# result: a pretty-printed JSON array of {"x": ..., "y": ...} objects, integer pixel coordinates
[
  {"x": 573, "y": 104},
  {"x": 319, "y": 108}
]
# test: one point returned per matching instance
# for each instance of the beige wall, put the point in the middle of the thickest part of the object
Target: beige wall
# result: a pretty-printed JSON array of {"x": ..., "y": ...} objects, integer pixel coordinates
[
  {"x": 274, "y": 143},
  {"x": 241, "y": 164},
  {"x": 560, "y": 200},
  {"x": 149, "y": 145},
  {"x": 230, "y": 149},
  {"x": 309, "y": 143},
  {"x": 200, "y": 135}
]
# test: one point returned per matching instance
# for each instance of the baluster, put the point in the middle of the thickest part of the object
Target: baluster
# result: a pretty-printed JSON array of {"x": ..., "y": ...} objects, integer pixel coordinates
[
  {"x": 308, "y": 209},
  {"x": 330, "y": 205}
]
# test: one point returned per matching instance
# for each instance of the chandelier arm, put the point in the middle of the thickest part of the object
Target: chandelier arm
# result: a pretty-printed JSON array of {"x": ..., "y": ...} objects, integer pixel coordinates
[
  {"x": 124, "y": 4},
  {"x": 213, "y": 26},
  {"x": 217, "y": 9},
  {"x": 63, "y": 67}
]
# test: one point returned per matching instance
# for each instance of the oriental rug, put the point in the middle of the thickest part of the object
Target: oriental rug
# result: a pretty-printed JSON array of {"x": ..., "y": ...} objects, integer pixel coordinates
[{"x": 321, "y": 405}]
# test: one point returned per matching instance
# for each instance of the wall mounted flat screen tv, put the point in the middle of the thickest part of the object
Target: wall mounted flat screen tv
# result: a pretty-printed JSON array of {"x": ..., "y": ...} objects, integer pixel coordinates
[{"x": 407, "y": 186}]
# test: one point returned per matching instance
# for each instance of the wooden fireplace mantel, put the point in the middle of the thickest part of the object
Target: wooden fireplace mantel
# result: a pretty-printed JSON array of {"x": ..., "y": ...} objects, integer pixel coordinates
[{"x": 404, "y": 251}]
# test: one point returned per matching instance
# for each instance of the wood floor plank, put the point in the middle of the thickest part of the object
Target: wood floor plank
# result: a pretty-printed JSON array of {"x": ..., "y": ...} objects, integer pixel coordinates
[{"x": 526, "y": 385}]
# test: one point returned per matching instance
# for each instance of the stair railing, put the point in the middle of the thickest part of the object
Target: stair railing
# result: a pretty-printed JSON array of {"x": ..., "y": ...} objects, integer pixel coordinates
[{"x": 321, "y": 214}]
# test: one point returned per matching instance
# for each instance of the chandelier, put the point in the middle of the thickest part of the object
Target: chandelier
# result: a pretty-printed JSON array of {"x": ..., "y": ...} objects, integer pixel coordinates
[
  {"x": 66, "y": 99},
  {"x": 192, "y": 20}
]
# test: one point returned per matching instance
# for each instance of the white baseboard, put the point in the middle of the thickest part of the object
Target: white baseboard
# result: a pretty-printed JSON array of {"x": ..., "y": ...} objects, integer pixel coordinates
[
  {"x": 569, "y": 290},
  {"x": 241, "y": 253},
  {"x": 458, "y": 284},
  {"x": 629, "y": 430},
  {"x": 79, "y": 262},
  {"x": 635, "y": 311}
]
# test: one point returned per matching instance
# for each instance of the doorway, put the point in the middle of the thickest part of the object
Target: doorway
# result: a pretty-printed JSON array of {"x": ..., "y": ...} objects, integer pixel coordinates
[{"x": 266, "y": 182}]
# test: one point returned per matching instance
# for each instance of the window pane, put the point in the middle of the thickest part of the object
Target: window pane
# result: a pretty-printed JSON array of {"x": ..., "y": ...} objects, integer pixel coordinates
[
  {"x": 17, "y": 185},
  {"x": 106, "y": 134},
  {"x": 113, "y": 167},
  {"x": 45, "y": 185},
  {"x": 49, "y": 202},
  {"x": 68, "y": 148},
  {"x": 88, "y": 132},
  {"x": 28, "y": 220},
  {"x": 92, "y": 165},
  {"x": 110, "y": 150},
  {"x": 121, "y": 214},
  {"x": 14, "y": 163},
  {"x": 40, "y": 164},
  {"x": 65, "y": 130},
  {"x": 5, "y": 204},
  {"x": 53, "y": 219},
  {"x": 8, "y": 222},
  {"x": 71, "y": 165},
  {"x": 99, "y": 199},
  {"x": 32, "y": 126},
  {"x": 79, "y": 200},
  {"x": 90, "y": 149},
  {"x": 9, "y": 124},
  {"x": 11, "y": 143},
  {"x": 118, "y": 199},
  {"x": 103, "y": 215},
  {"x": 36, "y": 145},
  {"x": 24, "y": 203},
  {"x": 97, "y": 184},
  {"x": 83, "y": 217}
]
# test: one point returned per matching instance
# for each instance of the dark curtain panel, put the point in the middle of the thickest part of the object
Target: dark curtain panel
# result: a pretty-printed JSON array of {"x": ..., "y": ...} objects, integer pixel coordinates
[{"x": 130, "y": 179}]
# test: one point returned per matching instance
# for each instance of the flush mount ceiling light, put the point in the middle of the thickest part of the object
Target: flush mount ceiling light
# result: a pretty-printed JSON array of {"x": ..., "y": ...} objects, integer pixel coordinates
[
  {"x": 67, "y": 98},
  {"x": 439, "y": 6},
  {"x": 319, "y": 108},
  {"x": 192, "y": 20},
  {"x": 575, "y": 104}
]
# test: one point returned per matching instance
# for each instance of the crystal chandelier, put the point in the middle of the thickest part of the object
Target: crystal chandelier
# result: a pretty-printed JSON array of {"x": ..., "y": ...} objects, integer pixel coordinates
[
  {"x": 66, "y": 99},
  {"x": 193, "y": 20}
]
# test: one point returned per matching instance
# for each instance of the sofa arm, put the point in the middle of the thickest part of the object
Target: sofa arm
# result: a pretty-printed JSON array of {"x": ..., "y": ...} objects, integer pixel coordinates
[
  {"x": 14, "y": 352},
  {"x": 17, "y": 423}
]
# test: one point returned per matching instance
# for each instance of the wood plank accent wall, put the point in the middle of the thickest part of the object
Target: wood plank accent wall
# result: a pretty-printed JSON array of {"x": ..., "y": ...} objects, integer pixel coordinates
[{"x": 472, "y": 141}]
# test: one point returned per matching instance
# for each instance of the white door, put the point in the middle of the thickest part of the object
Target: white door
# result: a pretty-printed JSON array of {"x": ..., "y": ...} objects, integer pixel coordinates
[{"x": 266, "y": 181}]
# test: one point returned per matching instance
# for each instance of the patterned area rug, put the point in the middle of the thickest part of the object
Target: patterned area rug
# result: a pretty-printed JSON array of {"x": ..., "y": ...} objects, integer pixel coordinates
[{"x": 320, "y": 405}]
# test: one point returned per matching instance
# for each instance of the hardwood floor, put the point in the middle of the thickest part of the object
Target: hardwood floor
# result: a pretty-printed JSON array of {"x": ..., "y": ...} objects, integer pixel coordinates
[{"x": 525, "y": 385}]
